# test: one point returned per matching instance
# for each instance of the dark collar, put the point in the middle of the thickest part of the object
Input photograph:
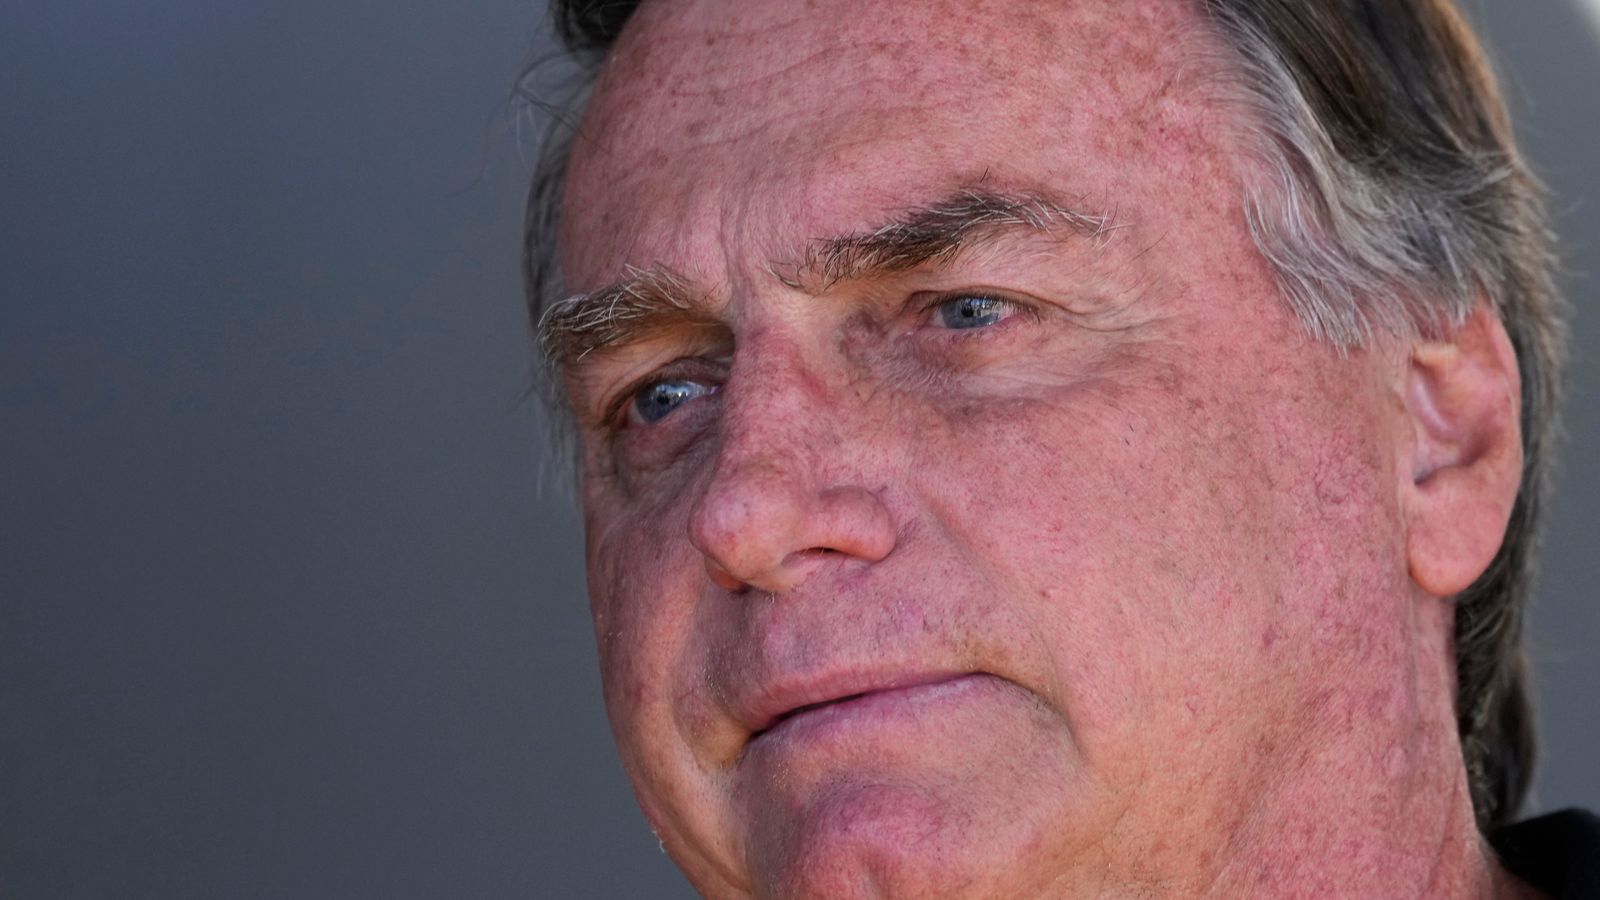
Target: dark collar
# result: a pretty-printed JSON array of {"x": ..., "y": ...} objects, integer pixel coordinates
[{"x": 1558, "y": 853}]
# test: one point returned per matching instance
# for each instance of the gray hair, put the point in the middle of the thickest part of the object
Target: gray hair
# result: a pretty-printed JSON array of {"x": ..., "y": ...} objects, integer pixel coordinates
[{"x": 1388, "y": 197}]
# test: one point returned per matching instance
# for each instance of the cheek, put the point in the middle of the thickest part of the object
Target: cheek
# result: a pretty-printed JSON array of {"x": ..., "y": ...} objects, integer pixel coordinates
[
  {"x": 1055, "y": 490},
  {"x": 1167, "y": 529},
  {"x": 643, "y": 582},
  {"x": 1073, "y": 468}
]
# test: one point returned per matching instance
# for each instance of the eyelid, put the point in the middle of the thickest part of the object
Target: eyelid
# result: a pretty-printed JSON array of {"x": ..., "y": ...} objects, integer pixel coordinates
[
  {"x": 633, "y": 418},
  {"x": 926, "y": 302},
  {"x": 614, "y": 410}
]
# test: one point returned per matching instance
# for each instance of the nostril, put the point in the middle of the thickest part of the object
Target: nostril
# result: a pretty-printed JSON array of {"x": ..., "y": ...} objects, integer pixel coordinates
[
  {"x": 724, "y": 579},
  {"x": 800, "y": 558}
]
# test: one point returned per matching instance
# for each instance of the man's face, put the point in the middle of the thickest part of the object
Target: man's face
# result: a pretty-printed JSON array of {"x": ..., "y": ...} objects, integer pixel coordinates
[{"x": 1059, "y": 562}]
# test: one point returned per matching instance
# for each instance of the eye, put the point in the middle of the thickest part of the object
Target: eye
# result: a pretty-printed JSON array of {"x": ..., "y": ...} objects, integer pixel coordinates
[
  {"x": 970, "y": 311},
  {"x": 657, "y": 400}
]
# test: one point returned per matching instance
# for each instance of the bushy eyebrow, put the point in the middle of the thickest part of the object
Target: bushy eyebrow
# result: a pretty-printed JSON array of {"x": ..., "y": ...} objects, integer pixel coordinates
[
  {"x": 935, "y": 234},
  {"x": 646, "y": 302},
  {"x": 642, "y": 303}
]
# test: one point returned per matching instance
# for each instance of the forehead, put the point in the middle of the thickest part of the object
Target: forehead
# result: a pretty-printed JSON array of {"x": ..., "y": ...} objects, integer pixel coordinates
[{"x": 766, "y": 122}]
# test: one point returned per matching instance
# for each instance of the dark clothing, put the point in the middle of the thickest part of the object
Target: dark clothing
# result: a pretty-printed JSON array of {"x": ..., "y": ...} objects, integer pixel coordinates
[{"x": 1558, "y": 853}]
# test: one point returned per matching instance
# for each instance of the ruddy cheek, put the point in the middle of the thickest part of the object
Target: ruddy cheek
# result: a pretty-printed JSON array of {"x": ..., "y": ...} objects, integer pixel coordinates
[{"x": 626, "y": 581}]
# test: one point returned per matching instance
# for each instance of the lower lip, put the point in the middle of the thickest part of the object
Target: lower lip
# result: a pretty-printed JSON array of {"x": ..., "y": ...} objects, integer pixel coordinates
[{"x": 889, "y": 710}]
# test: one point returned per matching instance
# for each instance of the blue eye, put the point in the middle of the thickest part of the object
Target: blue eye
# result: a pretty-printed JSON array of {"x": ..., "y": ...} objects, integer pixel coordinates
[
  {"x": 972, "y": 312},
  {"x": 656, "y": 401}
]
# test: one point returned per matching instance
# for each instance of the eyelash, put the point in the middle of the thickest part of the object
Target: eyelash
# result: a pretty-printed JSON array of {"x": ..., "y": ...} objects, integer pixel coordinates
[
  {"x": 1016, "y": 309},
  {"x": 616, "y": 413}
]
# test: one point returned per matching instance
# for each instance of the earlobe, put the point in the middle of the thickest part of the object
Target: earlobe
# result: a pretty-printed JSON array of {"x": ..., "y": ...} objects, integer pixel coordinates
[{"x": 1462, "y": 394}]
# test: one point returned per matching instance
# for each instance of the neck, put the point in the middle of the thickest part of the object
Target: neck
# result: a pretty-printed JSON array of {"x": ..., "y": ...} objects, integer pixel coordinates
[
  {"x": 1380, "y": 805},
  {"x": 1433, "y": 854},
  {"x": 1464, "y": 865}
]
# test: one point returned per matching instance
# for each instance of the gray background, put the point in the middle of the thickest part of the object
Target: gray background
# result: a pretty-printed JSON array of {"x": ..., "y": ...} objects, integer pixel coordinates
[{"x": 284, "y": 611}]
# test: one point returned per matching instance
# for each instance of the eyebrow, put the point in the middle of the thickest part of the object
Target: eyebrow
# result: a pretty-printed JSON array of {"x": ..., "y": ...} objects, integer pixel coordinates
[{"x": 646, "y": 302}]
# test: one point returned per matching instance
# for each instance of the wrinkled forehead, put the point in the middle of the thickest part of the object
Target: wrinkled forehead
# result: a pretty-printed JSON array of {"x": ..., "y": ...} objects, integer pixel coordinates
[
  {"x": 711, "y": 109},
  {"x": 716, "y": 50}
]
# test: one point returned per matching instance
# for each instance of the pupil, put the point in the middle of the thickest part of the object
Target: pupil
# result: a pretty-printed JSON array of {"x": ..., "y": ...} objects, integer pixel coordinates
[
  {"x": 971, "y": 312},
  {"x": 655, "y": 402}
]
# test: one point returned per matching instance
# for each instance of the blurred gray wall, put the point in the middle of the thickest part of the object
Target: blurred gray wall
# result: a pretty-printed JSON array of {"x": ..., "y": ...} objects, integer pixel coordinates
[{"x": 283, "y": 609}]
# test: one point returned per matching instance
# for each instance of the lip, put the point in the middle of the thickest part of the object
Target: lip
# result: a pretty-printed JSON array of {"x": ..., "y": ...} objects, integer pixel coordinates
[{"x": 786, "y": 708}]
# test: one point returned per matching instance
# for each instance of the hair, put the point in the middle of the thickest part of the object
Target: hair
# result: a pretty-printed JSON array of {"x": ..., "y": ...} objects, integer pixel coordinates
[{"x": 1388, "y": 197}]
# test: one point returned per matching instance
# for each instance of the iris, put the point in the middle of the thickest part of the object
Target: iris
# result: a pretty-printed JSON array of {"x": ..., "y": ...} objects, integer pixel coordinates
[
  {"x": 657, "y": 401},
  {"x": 972, "y": 312}
]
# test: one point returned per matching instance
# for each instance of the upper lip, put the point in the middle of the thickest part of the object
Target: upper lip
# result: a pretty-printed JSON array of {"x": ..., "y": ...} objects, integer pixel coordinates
[{"x": 783, "y": 699}]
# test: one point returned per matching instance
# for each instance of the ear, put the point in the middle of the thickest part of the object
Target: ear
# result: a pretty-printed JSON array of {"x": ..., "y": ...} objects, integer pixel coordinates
[{"x": 1463, "y": 394}]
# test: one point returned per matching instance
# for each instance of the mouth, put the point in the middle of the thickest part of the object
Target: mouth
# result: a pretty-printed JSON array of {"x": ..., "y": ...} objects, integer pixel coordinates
[
  {"x": 897, "y": 696},
  {"x": 802, "y": 710}
]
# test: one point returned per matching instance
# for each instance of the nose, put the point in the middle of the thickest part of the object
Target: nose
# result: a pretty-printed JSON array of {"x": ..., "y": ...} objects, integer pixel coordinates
[{"x": 779, "y": 502}]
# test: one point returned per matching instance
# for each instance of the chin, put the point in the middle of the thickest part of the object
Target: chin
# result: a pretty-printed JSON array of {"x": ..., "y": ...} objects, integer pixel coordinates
[
  {"x": 861, "y": 837},
  {"x": 945, "y": 802}
]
